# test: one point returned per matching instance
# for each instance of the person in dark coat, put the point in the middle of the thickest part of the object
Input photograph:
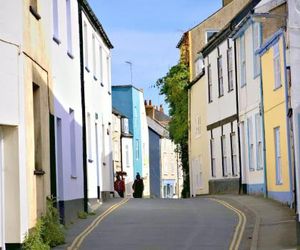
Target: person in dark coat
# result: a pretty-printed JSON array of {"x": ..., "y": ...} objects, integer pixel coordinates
[
  {"x": 119, "y": 186},
  {"x": 138, "y": 187}
]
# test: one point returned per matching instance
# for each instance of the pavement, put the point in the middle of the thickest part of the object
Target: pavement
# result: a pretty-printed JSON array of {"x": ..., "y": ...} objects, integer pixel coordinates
[
  {"x": 202, "y": 223},
  {"x": 74, "y": 229},
  {"x": 273, "y": 225}
]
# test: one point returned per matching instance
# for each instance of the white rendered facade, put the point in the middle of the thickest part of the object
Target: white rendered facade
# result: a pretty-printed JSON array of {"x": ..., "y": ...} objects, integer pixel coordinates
[
  {"x": 145, "y": 147},
  {"x": 67, "y": 101},
  {"x": 98, "y": 106},
  {"x": 294, "y": 60},
  {"x": 222, "y": 114},
  {"x": 248, "y": 40}
]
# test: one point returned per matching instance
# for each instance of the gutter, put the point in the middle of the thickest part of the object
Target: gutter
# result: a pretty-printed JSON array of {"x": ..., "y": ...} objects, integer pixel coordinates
[{"x": 85, "y": 180}]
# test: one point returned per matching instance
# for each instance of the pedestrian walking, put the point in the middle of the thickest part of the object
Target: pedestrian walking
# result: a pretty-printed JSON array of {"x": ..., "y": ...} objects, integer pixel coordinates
[
  {"x": 138, "y": 187},
  {"x": 119, "y": 186}
]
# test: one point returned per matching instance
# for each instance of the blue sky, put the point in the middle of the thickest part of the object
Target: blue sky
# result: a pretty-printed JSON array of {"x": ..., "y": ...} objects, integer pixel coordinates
[{"x": 146, "y": 33}]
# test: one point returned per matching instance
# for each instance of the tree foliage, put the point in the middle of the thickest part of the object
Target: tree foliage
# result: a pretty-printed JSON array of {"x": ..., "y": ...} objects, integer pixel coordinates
[{"x": 174, "y": 86}]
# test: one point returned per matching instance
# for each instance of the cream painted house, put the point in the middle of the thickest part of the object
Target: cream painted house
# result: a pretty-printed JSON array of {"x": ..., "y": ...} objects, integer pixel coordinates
[
  {"x": 24, "y": 130},
  {"x": 199, "y": 140}
]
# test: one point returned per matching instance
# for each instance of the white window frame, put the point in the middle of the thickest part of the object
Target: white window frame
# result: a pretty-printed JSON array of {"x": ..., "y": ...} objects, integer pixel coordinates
[
  {"x": 209, "y": 82},
  {"x": 277, "y": 66},
  {"x": 278, "y": 164},
  {"x": 259, "y": 146},
  {"x": 55, "y": 9},
  {"x": 73, "y": 143},
  {"x": 243, "y": 61},
  {"x": 86, "y": 46},
  {"x": 230, "y": 69},
  {"x": 94, "y": 56},
  {"x": 233, "y": 147},
  {"x": 212, "y": 157},
  {"x": 256, "y": 35},
  {"x": 250, "y": 144},
  {"x": 89, "y": 137},
  {"x": 69, "y": 28},
  {"x": 209, "y": 31},
  {"x": 220, "y": 76},
  {"x": 224, "y": 156}
]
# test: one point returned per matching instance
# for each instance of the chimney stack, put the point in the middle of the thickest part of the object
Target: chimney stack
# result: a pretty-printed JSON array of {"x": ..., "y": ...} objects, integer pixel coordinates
[
  {"x": 149, "y": 109},
  {"x": 150, "y": 103},
  {"x": 161, "y": 109}
]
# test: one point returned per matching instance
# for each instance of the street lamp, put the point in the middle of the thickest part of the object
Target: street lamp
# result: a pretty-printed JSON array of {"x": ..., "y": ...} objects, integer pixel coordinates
[{"x": 130, "y": 65}]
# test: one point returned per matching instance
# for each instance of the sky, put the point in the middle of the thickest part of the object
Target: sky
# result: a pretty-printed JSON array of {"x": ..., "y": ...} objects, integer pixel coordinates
[{"x": 146, "y": 32}]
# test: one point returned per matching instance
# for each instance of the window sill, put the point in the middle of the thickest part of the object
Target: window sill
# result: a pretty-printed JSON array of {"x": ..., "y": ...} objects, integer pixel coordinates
[
  {"x": 70, "y": 55},
  {"x": 87, "y": 69},
  {"x": 230, "y": 90},
  {"x": 221, "y": 96},
  {"x": 109, "y": 92},
  {"x": 251, "y": 169},
  {"x": 242, "y": 86},
  {"x": 256, "y": 75},
  {"x": 73, "y": 177},
  {"x": 102, "y": 84},
  {"x": 34, "y": 13},
  {"x": 90, "y": 160},
  {"x": 210, "y": 101},
  {"x": 55, "y": 39},
  {"x": 279, "y": 183},
  {"x": 39, "y": 172},
  {"x": 95, "y": 78}
]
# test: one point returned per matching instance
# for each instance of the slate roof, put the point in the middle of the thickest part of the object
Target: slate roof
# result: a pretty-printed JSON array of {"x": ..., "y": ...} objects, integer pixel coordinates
[{"x": 157, "y": 128}]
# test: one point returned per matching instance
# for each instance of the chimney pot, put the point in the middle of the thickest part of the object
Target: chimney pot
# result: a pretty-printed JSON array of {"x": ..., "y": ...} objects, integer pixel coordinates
[
  {"x": 150, "y": 103},
  {"x": 145, "y": 102}
]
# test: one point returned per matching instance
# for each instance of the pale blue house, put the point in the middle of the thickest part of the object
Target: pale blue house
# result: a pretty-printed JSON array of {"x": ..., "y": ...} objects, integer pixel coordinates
[{"x": 126, "y": 98}]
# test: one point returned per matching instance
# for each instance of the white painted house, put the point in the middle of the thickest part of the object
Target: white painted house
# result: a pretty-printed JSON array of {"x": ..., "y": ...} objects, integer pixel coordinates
[
  {"x": 222, "y": 126},
  {"x": 294, "y": 55},
  {"x": 67, "y": 108},
  {"x": 145, "y": 146},
  {"x": 98, "y": 106},
  {"x": 248, "y": 38}
]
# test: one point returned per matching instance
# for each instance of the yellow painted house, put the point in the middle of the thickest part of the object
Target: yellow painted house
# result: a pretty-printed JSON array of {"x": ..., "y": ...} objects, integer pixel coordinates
[{"x": 276, "y": 119}]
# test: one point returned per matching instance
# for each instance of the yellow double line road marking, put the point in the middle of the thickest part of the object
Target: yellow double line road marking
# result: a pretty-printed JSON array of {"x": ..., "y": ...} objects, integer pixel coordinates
[
  {"x": 80, "y": 238},
  {"x": 240, "y": 228}
]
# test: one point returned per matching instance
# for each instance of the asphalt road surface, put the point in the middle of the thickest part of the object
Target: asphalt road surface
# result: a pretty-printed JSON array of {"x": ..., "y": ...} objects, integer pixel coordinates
[{"x": 163, "y": 224}]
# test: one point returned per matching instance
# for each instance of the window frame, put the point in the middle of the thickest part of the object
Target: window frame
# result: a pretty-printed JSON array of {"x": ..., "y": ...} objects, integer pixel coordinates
[
  {"x": 278, "y": 164},
  {"x": 209, "y": 82},
  {"x": 230, "y": 69},
  {"x": 258, "y": 39},
  {"x": 220, "y": 76},
  {"x": 277, "y": 72},
  {"x": 243, "y": 71},
  {"x": 224, "y": 156}
]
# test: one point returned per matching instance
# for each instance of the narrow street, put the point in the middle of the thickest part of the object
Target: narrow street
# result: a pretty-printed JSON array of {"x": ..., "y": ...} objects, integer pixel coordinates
[{"x": 165, "y": 224}]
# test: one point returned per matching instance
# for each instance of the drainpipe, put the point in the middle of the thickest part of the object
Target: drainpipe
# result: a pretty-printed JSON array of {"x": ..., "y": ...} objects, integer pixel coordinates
[
  {"x": 238, "y": 119},
  {"x": 263, "y": 132},
  {"x": 85, "y": 180},
  {"x": 289, "y": 125}
]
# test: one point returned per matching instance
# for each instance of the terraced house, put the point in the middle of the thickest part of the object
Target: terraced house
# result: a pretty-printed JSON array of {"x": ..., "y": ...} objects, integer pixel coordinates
[
  {"x": 25, "y": 105},
  {"x": 201, "y": 166}
]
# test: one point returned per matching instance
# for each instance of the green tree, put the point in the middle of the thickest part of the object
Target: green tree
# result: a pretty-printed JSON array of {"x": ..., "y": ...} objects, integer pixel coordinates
[{"x": 174, "y": 87}]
